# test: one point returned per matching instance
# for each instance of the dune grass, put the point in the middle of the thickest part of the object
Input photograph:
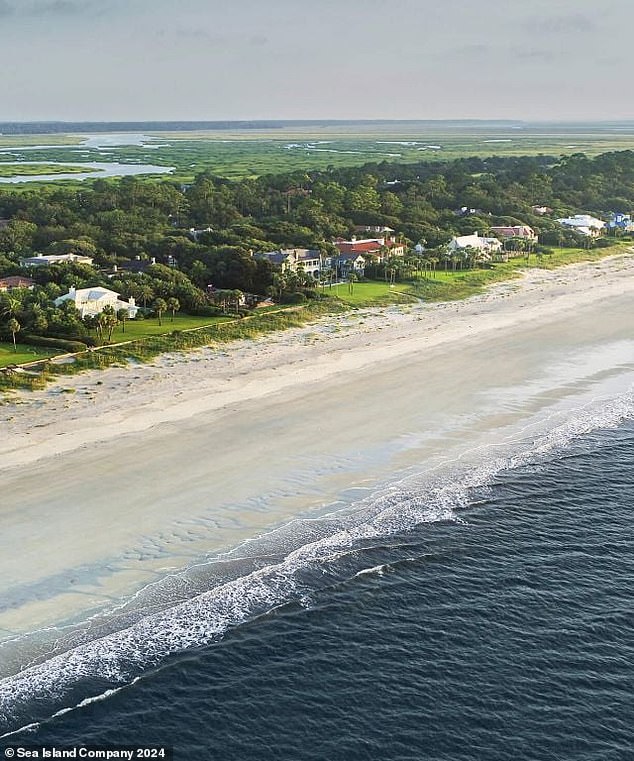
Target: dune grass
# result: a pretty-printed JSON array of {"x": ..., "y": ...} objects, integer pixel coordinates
[{"x": 150, "y": 339}]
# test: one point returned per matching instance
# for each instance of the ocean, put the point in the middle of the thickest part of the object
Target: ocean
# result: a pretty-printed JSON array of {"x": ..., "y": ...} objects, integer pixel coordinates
[{"x": 487, "y": 618}]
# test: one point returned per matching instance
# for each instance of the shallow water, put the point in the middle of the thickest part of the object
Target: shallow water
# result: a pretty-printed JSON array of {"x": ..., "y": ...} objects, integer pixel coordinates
[
  {"x": 503, "y": 628},
  {"x": 448, "y": 572}
]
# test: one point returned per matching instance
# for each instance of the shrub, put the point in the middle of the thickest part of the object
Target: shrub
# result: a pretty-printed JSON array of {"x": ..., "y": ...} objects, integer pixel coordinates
[
  {"x": 294, "y": 298},
  {"x": 56, "y": 343},
  {"x": 206, "y": 311}
]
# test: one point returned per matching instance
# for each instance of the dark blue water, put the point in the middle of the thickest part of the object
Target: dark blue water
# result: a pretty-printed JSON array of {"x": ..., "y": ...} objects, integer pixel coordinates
[{"x": 508, "y": 633}]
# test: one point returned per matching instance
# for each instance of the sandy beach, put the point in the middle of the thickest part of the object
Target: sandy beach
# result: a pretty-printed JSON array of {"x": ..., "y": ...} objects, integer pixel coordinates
[{"x": 146, "y": 470}]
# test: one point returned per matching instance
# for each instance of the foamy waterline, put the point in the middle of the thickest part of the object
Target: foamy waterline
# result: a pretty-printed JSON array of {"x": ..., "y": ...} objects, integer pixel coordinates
[{"x": 120, "y": 657}]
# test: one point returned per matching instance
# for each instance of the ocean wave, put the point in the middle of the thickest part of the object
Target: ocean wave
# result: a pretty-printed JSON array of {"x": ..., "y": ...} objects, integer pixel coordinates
[{"x": 116, "y": 659}]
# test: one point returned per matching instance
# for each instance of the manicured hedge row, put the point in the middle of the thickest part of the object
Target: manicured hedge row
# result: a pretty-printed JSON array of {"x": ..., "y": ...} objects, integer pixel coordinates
[{"x": 56, "y": 343}]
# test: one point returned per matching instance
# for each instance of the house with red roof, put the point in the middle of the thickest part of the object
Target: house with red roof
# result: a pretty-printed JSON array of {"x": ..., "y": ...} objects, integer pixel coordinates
[{"x": 379, "y": 248}]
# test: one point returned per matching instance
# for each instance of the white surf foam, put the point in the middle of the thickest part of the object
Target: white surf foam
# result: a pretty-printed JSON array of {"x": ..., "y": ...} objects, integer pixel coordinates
[{"x": 119, "y": 657}]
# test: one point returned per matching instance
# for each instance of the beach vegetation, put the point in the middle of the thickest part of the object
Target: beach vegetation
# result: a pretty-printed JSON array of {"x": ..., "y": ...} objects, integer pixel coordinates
[{"x": 191, "y": 250}]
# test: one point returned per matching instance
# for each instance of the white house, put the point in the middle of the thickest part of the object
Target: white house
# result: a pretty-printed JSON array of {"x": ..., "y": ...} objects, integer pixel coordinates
[
  {"x": 91, "y": 301},
  {"x": 584, "y": 224},
  {"x": 40, "y": 260},
  {"x": 487, "y": 245}
]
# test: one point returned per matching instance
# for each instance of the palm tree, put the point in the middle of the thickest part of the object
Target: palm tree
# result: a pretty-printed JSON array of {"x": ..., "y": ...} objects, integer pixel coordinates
[
  {"x": 145, "y": 293},
  {"x": 173, "y": 304},
  {"x": 14, "y": 326},
  {"x": 11, "y": 305},
  {"x": 122, "y": 316},
  {"x": 159, "y": 306},
  {"x": 108, "y": 320}
]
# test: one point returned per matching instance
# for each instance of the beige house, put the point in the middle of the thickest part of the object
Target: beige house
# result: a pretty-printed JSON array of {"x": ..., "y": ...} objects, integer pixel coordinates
[{"x": 515, "y": 231}]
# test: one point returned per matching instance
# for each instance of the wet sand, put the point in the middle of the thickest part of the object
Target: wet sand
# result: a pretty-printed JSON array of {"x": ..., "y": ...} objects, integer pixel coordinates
[{"x": 148, "y": 469}]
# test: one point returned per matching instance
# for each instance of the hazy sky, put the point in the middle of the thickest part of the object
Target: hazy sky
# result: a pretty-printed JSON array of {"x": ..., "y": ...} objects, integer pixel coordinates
[{"x": 294, "y": 59}]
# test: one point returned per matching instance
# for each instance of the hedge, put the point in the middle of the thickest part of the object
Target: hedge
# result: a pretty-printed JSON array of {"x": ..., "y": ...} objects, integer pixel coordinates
[{"x": 56, "y": 343}]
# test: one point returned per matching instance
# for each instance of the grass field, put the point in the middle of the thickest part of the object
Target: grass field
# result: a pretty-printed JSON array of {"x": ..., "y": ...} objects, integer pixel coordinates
[
  {"x": 371, "y": 293},
  {"x": 135, "y": 330},
  {"x": 24, "y": 354},
  {"x": 450, "y": 286}
]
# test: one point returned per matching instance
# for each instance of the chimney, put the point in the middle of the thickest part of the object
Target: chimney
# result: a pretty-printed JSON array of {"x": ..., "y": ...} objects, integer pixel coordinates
[
  {"x": 72, "y": 290},
  {"x": 131, "y": 301},
  {"x": 114, "y": 268},
  {"x": 476, "y": 234},
  {"x": 153, "y": 260}
]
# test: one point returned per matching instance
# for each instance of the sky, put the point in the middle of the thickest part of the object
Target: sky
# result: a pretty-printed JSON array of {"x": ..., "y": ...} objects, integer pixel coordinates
[{"x": 326, "y": 59}]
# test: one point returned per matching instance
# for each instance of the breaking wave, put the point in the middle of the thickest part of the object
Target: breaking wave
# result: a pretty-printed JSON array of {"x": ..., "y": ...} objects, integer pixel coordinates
[{"x": 376, "y": 522}]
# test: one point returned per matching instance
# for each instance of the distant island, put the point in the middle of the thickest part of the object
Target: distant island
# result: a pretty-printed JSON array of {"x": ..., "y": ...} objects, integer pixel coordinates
[{"x": 58, "y": 127}]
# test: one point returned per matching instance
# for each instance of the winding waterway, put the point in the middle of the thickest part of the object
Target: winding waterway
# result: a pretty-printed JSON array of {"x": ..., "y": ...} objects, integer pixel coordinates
[{"x": 95, "y": 169}]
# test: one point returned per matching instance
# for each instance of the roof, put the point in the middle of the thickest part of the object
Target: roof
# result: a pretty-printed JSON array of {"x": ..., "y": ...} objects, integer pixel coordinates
[
  {"x": 517, "y": 231},
  {"x": 16, "y": 281},
  {"x": 89, "y": 294},
  {"x": 350, "y": 256},
  {"x": 475, "y": 241},
  {"x": 582, "y": 220},
  {"x": 276, "y": 257}
]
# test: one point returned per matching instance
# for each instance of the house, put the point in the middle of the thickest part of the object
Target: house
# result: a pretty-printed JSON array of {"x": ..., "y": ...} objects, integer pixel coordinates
[
  {"x": 466, "y": 211},
  {"x": 41, "y": 260},
  {"x": 486, "y": 245},
  {"x": 379, "y": 248},
  {"x": 541, "y": 210},
  {"x": 621, "y": 222},
  {"x": 135, "y": 266},
  {"x": 376, "y": 229},
  {"x": 91, "y": 301},
  {"x": 345, "y": 264},
  {"x": 309, "y": 260},
  {"x": 584, "y": 224},
  {"x": 516, "y": 231},
  {"x": 195, "y": 233},
  {"x": 12, "y": 282}
]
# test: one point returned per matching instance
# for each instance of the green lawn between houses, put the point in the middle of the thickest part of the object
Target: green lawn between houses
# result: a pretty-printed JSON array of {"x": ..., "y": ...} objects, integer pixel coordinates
[{"x": 449, "y": 286}]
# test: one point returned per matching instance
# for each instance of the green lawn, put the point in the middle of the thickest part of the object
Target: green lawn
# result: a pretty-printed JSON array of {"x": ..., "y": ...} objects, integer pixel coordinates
[
  {"x": 135, "y": 329},
  {"x": 371, "y": 293},
  {"x": 449, "y": 286},
  {"x": 24, "y": 354}
]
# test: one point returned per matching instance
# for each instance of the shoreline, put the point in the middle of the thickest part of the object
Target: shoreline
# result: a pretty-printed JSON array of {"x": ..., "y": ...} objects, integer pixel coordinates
[
  {"x": 118, "y": 401},
  {"x": 111, "y": 494}
]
